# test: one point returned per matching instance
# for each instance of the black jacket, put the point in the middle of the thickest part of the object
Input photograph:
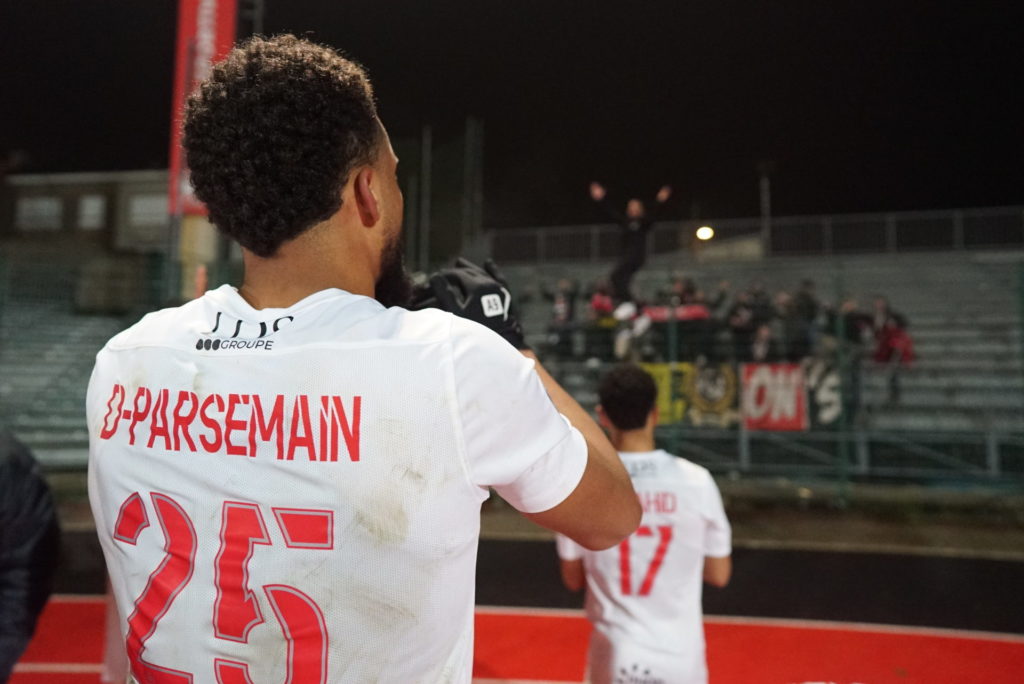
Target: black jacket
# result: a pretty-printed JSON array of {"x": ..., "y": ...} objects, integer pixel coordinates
[{"x": 29, "y": 540}]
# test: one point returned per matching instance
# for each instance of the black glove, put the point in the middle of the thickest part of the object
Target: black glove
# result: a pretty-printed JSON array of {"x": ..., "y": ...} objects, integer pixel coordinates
[{"x": 479, "y": 294}]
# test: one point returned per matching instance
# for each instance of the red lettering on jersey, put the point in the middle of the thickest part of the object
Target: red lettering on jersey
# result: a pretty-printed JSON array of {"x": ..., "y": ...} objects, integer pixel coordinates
[
  {"x": 139, "y": 414},
  {"x": 231, "y": 672},
  {"x": 658, "y": 502},
  {"x": 163, "y": 586},
  {"x": 332, "y": 417},
  {"x": 300, "y": 419},
  {"x": 260, "y": 427},
  {"x": 305, "y": 629},
  {"x": 236, "y": 611},
  {"x": 158, "y": 425},
  {"x": 182, "y": 421},
  {"x": 113, "y": 412},
  {"x": 232, "y": 424},
  {"x": 131, "y": 520},
  {"x": 211, "y": 445},
  {"x": 305, "y": 528}
]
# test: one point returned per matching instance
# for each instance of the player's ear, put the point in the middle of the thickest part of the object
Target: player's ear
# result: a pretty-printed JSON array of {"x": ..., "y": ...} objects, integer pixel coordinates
[
  {"x": 366, "y": 201},
  {"x": 652, "y": 417},
  {"x": 602, "y": 418}
]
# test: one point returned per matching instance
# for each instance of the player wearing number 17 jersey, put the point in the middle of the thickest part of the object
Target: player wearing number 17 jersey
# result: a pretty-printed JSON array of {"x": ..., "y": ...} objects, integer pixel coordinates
[
  {"x": 644, "y": 596},
  {"x": 286, "y": 478}
]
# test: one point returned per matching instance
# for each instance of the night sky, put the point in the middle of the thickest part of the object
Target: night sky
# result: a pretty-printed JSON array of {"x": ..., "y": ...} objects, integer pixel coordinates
[{"x": 861, "y": 106}]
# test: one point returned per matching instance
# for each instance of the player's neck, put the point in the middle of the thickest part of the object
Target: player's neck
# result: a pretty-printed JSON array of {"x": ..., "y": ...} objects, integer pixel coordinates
[
  {"x": 633, "y": 440},
  {"x": 311, "y": 263}
]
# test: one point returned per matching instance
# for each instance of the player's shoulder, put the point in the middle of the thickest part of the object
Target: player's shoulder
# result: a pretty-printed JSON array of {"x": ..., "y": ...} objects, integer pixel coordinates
[
  {"x": 689, "y": 471},
  {"x": 157, "y": 327}
]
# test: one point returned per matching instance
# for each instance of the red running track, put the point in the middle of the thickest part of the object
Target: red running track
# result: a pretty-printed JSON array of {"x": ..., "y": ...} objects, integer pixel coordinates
[{"x": 68, "y": 650}]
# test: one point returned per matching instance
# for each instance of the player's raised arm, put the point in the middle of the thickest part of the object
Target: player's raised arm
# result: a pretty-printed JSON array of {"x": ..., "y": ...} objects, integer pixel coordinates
[{"x": 567, "y": 478}]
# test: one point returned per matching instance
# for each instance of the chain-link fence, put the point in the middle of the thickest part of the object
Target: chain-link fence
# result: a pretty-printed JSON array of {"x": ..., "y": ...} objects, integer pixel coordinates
[
  {"x": 767, "y": 376},
  {"x": 872, "y": 368}
]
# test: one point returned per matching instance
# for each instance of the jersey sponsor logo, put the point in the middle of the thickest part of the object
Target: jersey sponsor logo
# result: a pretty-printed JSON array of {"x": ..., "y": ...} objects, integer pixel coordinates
[
  {"x": 236, "y": 424},
  {"x": 229, "y": 332}
]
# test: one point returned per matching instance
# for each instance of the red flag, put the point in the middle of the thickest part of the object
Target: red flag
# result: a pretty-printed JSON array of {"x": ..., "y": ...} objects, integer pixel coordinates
[{"x": 206, "y": 33}]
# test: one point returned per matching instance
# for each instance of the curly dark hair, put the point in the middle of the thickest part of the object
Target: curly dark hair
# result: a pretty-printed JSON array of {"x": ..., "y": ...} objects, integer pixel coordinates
[
  {"x": 272, "y": 136},
  {"x": 627, "y": 394}
]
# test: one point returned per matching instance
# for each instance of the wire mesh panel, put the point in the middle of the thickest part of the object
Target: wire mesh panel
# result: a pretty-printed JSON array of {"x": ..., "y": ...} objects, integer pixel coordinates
[
  {"x": 798, "y": 237},
  {"x": 515, "y": 245},
  {"x": 925, "y": 233},
  {"x": 991, "y": 229},
  {"x": 859, "y": 235}
]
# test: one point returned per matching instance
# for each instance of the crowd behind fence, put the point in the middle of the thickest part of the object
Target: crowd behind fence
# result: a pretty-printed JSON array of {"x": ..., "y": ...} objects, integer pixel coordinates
[{"x": 801, "y": 381}]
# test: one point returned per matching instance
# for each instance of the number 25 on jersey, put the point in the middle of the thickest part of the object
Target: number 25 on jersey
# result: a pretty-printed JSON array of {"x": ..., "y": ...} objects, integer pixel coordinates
[{"x": 236, "y": 610}]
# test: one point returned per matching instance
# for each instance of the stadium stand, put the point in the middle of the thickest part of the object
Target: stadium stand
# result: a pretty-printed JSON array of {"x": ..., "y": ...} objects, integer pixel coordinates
[{"x": 963, "y": 311}]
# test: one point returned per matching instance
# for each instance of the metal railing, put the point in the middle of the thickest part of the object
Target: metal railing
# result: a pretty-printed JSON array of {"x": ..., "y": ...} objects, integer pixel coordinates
[
  {"x": 892, "y": 232},
  {"x": 960, "y": 419}
]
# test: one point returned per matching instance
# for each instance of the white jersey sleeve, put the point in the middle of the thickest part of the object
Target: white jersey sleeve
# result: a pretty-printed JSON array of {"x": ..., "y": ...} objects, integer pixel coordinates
[
  {"x": 568, "y": 550},
  {"x": 515, "y": 439},
  {"x": 718, "y": 540}
]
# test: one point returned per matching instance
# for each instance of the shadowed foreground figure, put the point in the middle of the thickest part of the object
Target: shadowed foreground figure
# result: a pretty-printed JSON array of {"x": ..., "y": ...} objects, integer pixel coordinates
[
  {"x": 29, "y": 542},
  {"x": 644, "y": 596}
]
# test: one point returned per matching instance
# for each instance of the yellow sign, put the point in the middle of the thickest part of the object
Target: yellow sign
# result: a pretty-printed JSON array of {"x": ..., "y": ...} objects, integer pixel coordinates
[{"x": 699, "y": 395}]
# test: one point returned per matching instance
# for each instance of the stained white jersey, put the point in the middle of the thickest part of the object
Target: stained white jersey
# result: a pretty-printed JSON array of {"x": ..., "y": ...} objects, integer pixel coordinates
[
  {"x": 294, "y": 494},
  {"x": 644, "y": 596}
]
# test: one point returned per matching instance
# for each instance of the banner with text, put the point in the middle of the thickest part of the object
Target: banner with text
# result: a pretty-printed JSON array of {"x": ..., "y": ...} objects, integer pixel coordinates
[{"x": 774, "y": 397}]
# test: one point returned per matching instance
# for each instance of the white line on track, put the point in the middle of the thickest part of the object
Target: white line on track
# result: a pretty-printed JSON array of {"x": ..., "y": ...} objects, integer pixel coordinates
[
  {"x": 713, "y": 619},
  {"x": 865, "y": 627}
]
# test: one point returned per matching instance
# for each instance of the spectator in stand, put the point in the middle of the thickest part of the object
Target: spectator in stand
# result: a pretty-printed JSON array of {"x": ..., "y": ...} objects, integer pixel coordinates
[
  {"x": 29, "y": 542},
  {"x": 599, "y": 334},
  {"x": 635, "y": 224},
  {"x": 681, "y": 291},
  {"x": 851, "y": 327},
  {"x": 601, "y": 303},
  {"x": 850, "y": 323},
  {"x": 740, "y": 321},
  {"x": 762, "y": 308},
  {"x": 765, "y": 346},
  {"x": 805, "y": 309},
  {"x": 563, "y": 314},
  {"x": 788, "y": 331},
  {"x": 893, "y": 346}
]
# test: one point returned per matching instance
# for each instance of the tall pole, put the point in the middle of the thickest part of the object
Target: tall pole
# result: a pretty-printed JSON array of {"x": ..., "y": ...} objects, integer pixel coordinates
[
  {"x": 426, "y": 154},
  {"x": 765, "y": 190},
  {"x": 250, "y": 16}
]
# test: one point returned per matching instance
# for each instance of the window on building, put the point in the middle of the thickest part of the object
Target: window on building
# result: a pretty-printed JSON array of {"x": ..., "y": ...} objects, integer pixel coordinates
[
  {"x": 38, "y": 214},
  {"x": 92, "y": 212},
  {"x": 148, "y": 210}
]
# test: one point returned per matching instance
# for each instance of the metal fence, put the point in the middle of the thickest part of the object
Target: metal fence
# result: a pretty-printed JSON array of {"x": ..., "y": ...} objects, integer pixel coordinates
[
  {"x": 959, "y": 421},
  {"x": 894, "y": 232}
]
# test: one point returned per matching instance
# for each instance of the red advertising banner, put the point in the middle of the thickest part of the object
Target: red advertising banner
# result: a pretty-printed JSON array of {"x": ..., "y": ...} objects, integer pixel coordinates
[
  {"x": 774, "y": 397},
  {"x": 206, "y": 32}
]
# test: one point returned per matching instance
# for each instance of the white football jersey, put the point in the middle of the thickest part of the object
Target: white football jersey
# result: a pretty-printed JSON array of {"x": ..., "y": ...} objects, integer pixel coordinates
[
  {"x": 293, "y": 495},
  {"x": 644, "y": 595}
]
